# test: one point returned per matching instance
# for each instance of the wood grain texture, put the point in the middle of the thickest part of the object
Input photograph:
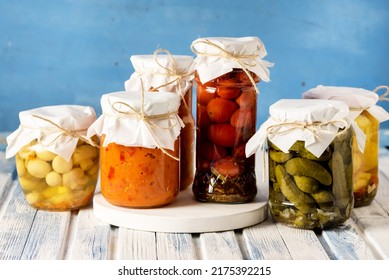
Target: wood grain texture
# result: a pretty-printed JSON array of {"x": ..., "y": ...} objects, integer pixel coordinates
[
  {"x": 264, "y": 242},
  {"x": 47, "y": 236},
  {"x": 15, "y": 225},
  {"x": 135, "y": 245},
  {"x": 302, "y": 244},
  {"x": 90, "y": 239},
  {"x": 220, "y": 246},
  {"x": 346, "y": 243},
  {"x": 175, "y": 246}
]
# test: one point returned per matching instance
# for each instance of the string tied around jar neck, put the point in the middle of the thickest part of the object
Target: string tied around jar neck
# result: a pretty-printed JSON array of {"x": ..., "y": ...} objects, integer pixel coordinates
[
  {"x": 313, "y": 127},
  {"x": 146, "y": 119},
  {"x": 175, "y": 74},
  {"x": 63, "y": 132},
  {"x": 241, "y": 59},
  {"x": 382, "y": 97}
]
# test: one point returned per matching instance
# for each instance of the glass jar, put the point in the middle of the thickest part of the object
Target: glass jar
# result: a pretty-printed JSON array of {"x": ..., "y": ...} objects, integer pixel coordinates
[
  {"x": 366, "y": 163},
  {"x": 226, "y": 73},
  {"x": 311, "y": 192},
  {"x": 138, "y": 177},
  {"x": 367, "y": 117},
  {"x": 309, "y": 162},
  {"x": 58, "y": 167},
  {"x": 139, "y": 148},
  {"x": 172, "y": 73},
  {"x": 226, "y": 119}
]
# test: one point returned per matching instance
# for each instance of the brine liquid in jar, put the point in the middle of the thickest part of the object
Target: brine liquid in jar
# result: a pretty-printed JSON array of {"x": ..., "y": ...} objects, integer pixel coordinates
[
  {"x": 366, "y": 163},
  {"x": 225, "y": 121},
  {"x": 312, "y": 192},
  {"x": 138, "y": 177},
  {"x": 51, "y": 183}
]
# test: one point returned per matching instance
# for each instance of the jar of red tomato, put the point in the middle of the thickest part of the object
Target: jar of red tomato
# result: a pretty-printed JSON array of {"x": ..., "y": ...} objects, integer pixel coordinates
[
  {"x": 139, "y": 164},
  {"x": 227, "y": 71},
  {"x": 166, "y": 72}
]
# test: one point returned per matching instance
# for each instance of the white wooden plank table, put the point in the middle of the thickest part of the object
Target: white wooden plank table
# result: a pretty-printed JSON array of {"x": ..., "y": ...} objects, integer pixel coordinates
[{"x": 30, "y": 234}]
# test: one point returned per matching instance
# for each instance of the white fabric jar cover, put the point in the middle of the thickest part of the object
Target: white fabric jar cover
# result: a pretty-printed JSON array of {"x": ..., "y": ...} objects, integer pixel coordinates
[
  {"x": 166, "y": 72},
  {"x": 217, "y": 56},
  {"x": 56, "y": 128},
  {"x": 316, "y": 122},
  {"x": 133, "y": 118},
  {"x": 358, "y": 100}
]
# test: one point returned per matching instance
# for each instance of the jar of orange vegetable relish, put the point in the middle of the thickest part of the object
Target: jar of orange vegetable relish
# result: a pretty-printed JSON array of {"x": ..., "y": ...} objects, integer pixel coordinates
[
  {"x": 57, "y": 164},
  {"x": 139, "y": 165},
  {"x": 166, "y": 72},
  {"x": 367, "y": 117},
  {"x": 226, "y": 73}
]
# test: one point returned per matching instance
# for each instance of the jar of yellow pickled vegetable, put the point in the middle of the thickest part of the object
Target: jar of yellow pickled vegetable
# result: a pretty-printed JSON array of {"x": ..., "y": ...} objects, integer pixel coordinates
[
  {"x": 309, "y": 162},
  {"x": 139, "y": 164},
  {"x": 227, "y": 71},
  {"x": 367, "y": 117},
  {"x": 172, "y": 73},
  {"x": 57, "y": 165}
]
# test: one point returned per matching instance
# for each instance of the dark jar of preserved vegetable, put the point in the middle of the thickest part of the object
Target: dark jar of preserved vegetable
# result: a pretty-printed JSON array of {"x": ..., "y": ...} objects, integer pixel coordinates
[
  {"x": 226, "y": 119},
  {"x": 226, "y": 108},
  {"x": 310, "y": 166}
]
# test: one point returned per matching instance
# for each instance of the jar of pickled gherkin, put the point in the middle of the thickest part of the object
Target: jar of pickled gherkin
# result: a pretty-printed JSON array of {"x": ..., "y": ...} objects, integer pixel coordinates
[
  {"x": 172, "y": 73},
  {"x": 139, "y": 164},
  {"x": 309, "y": 162},
  {"x": 367, "y": 117},
  {"x": 57, "y": 165},
  {"x": 227, "y": 71}
]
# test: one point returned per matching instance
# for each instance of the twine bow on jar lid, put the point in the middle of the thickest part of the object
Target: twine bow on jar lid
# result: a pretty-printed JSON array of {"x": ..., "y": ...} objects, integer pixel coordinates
[
  {"x": 56, "y": 128},
  {"x": 218, "y": 56},
  {"x": 142, "y": 119}
]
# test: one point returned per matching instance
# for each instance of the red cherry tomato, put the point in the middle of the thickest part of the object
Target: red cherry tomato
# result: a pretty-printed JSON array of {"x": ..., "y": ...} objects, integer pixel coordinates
[
  {"x": 222, "y": 134},
  {"x": 211, "y": 151},
  {"x": 220, "y": 109},
  {"x": 205, "y": 94},
  {"x": 228, "y": 166},
  {"x": 248, "y": 98},
  {"x": 228, "y": 92},
  {"x": 203, "y": 120},
  {"x": 243, "y": 118}
]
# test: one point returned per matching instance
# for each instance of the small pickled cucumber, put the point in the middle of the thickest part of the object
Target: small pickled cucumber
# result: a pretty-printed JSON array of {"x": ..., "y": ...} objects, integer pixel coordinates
[
  {"x": 279, "y": 156},
  {"x": 301, "y": 200},
  {"x": 340, "y": 188},
  {"x": 299, "y": 147},
  {"x": 325, "y": 199},
  {"x": 38, "y": 168},
  {"x": 306, "y": 167},
  {"x": 306, "y": 184},
  {"x": 60, "y": 165}
]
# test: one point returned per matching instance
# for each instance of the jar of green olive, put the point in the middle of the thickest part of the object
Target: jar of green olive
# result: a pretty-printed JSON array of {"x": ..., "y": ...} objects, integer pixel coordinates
[
  {"x": 57, "y": 165},
  {"x": 309, "y": 162}
]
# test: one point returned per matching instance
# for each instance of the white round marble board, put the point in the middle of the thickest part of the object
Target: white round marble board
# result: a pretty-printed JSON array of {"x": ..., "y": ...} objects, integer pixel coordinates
[{"x": 184, "y": 215}]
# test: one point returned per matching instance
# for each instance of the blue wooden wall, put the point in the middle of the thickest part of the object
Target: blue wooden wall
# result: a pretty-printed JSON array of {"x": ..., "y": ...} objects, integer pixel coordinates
[{"x": 73, "y": 51}]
